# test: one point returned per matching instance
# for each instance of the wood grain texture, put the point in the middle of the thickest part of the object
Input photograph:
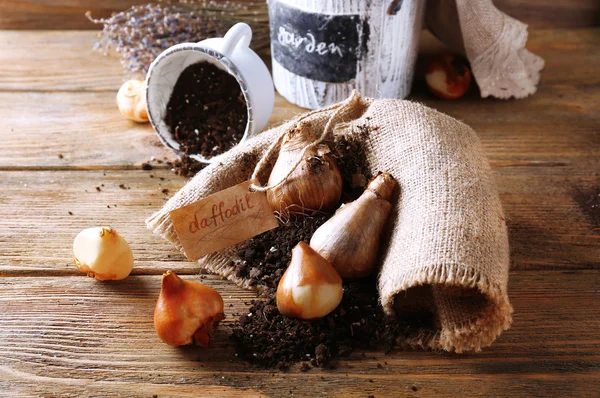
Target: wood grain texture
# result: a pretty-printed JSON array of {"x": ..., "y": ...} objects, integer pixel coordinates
[
  {"x": 56, "y": 61},
  {"x": 78, "y": 336},
  {"x": 65, "y": 61},
  {"x": 58, "y": 14},
  {"x": 556, "y": 126},
  {"x": 85, "y": 127},
  {"x": 560, "y": 126},
  {"x": 555, "y": 14},
  {"x": 551, "y": 223},
  {"x": 61, "y": 14},
  {"x": 63, "y": 334},
  {"x": 39, "y": 236}
]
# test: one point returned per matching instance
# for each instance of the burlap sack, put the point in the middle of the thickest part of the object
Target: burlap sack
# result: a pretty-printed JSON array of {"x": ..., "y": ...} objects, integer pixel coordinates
[
  {"x": 493, "y": 42},
  {"x": 446, "y": 257}
]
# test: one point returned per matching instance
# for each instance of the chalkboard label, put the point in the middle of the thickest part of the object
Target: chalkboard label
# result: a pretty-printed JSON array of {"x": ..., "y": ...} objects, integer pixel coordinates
[{"x": 320, "y": 47}]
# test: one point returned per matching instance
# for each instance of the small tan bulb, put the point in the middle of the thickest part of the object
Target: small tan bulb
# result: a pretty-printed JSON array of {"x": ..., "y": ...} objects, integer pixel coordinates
[
  {"x": 103, "y": 254},
  {"x": 131, "y": 101}
]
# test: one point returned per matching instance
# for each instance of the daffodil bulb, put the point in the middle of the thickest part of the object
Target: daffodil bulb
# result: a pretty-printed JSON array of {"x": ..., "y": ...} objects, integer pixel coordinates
[
  {"x": 315, "y": 184},
  {"x": 350, "y": 239}
]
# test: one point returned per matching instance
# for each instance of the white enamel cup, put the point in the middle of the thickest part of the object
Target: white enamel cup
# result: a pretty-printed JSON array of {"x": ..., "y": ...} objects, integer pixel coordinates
[{"x": 231, "y": 54}]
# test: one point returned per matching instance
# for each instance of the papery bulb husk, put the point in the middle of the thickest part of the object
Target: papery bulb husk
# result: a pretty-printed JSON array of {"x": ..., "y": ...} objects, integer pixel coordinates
[
  {"x": 186, "y": 311},
  {"x": 131, "y": 101},
  {"x": 102, "y": 253},
  {"x": 316, "y": 184},
  {"x": 310, "y": 288},
  {"x": 350, "y": 239}
]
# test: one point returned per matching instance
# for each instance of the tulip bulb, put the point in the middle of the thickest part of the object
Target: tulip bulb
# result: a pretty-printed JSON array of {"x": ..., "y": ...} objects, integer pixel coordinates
[
  {"x": 103, "y": 254},
  {"x": 186, "y": 311},
  {"x": 350, "y": 239},
  {"x": 448, "y": 76},
  {"x": 316, "y": 184},
  {"x": 310, "y": 288}
]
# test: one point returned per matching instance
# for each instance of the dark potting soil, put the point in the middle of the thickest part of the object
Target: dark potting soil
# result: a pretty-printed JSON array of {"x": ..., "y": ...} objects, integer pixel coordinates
[
  {"x": 186, "y": 166},
  {"x": 269, "y": 339},
  {"x": 265, "y": 337},
  {"x": 350, "y": 156},
  {"x": 207, "y": 111},
  {"x": 264, "y": 259}
]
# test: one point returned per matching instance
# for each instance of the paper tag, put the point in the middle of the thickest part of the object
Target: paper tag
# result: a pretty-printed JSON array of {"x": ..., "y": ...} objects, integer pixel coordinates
[{"x": 222, "y": 219}]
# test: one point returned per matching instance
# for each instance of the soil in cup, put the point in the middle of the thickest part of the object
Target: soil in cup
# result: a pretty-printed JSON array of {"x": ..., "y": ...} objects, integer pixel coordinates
[{"x": 207, "y": 111}]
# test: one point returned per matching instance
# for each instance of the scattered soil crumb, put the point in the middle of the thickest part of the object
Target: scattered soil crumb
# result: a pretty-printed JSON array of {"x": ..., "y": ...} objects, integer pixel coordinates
[{"x": 186, "y": 166}]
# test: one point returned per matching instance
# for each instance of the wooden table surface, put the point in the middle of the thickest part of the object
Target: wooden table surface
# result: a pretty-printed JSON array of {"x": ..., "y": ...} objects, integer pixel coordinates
[{"x": 63, "y": 334}]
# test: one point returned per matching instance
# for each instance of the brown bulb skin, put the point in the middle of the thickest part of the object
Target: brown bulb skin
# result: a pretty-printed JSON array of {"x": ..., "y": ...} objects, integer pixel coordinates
[
  {"x": 186, "y": 312},
  {"x": 316, "y": 184},
  {"x": 350, "y": 239}
]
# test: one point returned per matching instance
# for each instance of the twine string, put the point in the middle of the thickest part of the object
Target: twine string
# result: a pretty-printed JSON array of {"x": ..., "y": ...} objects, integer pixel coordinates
[{"x": 277, "y": 144}]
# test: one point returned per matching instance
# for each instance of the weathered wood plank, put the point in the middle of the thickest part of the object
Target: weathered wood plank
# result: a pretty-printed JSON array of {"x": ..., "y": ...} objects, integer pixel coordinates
[
  {"x": 64, "y": 60},
  {"x": 85, "y": 127},
  {"x": 56, "y": 60},
  {"x": 57, "y": 14},
  {"x": 553, "y": 220},
  {"x": 559, "y": 126},
  {"x": 552, "y": 14},
  {"x": 553, "y": 217},
  {"x": 80, "y": 336},
  {"x": 53, "y": 14},
  {"x": 37, "y": 231},
  {"x": 220, "y": 384}
]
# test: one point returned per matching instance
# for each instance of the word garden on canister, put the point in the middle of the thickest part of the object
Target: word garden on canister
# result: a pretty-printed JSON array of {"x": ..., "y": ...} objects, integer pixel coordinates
[{"x": 321, "y": 51}]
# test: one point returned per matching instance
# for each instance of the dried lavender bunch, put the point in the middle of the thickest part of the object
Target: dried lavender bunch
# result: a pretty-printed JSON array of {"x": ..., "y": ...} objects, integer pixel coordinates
[{"x": 142, "y": 32}]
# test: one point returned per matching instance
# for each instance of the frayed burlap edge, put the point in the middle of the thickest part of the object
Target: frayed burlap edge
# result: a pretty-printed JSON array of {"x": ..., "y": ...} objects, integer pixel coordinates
[{"x": 489, "y": 324}]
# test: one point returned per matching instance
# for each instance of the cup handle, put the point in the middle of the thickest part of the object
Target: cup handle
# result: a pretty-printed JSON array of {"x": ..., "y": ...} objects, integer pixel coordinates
[{"x": 239, "y": 34}]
